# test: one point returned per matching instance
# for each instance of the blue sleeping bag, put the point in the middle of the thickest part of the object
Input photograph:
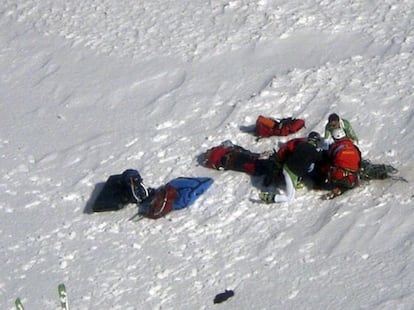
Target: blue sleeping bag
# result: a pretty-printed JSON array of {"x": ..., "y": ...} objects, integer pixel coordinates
[{"x": 177, "y": 194}]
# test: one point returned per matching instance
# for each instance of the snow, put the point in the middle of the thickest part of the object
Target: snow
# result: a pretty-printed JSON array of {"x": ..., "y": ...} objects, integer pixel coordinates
[{"x": 90, "y": 88}]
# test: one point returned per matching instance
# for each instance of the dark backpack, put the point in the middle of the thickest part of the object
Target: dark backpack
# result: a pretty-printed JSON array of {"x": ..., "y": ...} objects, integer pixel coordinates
[
  {"x": 370, "y": 171},
  {"x": 120, "y": 190},
  {"x": 267, "y": 126}
]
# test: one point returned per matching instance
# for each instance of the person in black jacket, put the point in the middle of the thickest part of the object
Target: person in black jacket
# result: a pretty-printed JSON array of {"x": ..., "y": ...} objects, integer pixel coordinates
[{"x": 299, "y": 164}]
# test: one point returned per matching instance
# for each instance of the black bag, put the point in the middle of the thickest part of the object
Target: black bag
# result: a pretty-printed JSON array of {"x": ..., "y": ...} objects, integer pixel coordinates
[
  {"x": 370, "y": 171},
  {"x": 120, "y": 190},
  {"x": 113, "y": 196}
]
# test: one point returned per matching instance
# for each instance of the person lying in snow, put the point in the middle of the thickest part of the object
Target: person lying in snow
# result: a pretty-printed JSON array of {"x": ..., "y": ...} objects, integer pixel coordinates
[
  {"x": 334, "y": 122},
  {"x": 228, "y": 156},
  {"x": 299, "y": 163}
]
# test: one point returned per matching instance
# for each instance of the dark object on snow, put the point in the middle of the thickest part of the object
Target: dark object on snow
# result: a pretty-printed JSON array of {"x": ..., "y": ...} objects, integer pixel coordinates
[
  {"x": 223, "y": 296},
  {"x": 113, "y": 196},
  {"x": 370, "y": 171},
  {"x": 120, "y": 190},
  {"x": 132, "y": 180},
  {"x": 268, "y": 126}
]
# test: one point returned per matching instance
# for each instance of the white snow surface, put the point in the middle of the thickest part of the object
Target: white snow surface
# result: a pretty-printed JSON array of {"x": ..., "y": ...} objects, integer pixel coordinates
[{"x": 90, "y": 88}]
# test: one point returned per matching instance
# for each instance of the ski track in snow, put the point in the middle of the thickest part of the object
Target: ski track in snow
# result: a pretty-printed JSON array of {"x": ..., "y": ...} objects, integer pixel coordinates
[{"x": 95, "y": 87}]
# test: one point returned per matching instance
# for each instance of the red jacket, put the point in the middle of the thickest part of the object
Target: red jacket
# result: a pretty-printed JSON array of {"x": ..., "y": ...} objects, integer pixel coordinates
[
  {"x": 345, "y": 154},
  {"x": 287, "y": 149}
]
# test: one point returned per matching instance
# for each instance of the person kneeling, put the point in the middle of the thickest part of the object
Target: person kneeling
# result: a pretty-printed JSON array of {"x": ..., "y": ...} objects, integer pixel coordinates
[{"x": 344, "y": 160}]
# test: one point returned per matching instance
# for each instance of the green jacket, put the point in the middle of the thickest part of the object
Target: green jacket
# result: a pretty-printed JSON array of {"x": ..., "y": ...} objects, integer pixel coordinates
[{"x": 346, "y": 126}]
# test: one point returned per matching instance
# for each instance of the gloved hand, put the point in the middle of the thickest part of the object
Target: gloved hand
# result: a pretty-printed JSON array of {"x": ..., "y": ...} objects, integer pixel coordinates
[{"x": 267, "y": 197}]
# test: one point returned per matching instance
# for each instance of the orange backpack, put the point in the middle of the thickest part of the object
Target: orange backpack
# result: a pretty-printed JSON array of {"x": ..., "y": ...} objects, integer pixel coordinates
[
  {"x": 346, "y": 155},
  {"x": 267, "y": 126}
]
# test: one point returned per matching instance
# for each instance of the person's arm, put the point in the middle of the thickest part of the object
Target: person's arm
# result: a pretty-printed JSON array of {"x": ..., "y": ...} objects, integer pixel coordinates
[
  {"x": 327, "y": 132},
  {"x": 350, "y": 131}
]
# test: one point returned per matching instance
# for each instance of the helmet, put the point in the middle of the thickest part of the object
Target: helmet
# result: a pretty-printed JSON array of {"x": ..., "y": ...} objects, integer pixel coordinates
[
  {"x": 338, "y": 133},
  {"x": 314, "y": 136}
]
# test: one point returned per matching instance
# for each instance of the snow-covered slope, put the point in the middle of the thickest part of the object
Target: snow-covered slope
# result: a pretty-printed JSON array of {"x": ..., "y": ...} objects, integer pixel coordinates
[{"x": 90, "y": 88}]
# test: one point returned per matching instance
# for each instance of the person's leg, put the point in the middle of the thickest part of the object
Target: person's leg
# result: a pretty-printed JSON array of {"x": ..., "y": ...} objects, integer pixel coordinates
[{"x": 289, "y": 195}]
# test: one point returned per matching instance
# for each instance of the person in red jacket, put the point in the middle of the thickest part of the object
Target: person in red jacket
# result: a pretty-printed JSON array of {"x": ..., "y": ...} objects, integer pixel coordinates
[
  {"x": 286, "y": 150},
  {"x": 299, "y": 163},
  {"x": 344, "y": 159},
  {"x": 282, "y": 155}
]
